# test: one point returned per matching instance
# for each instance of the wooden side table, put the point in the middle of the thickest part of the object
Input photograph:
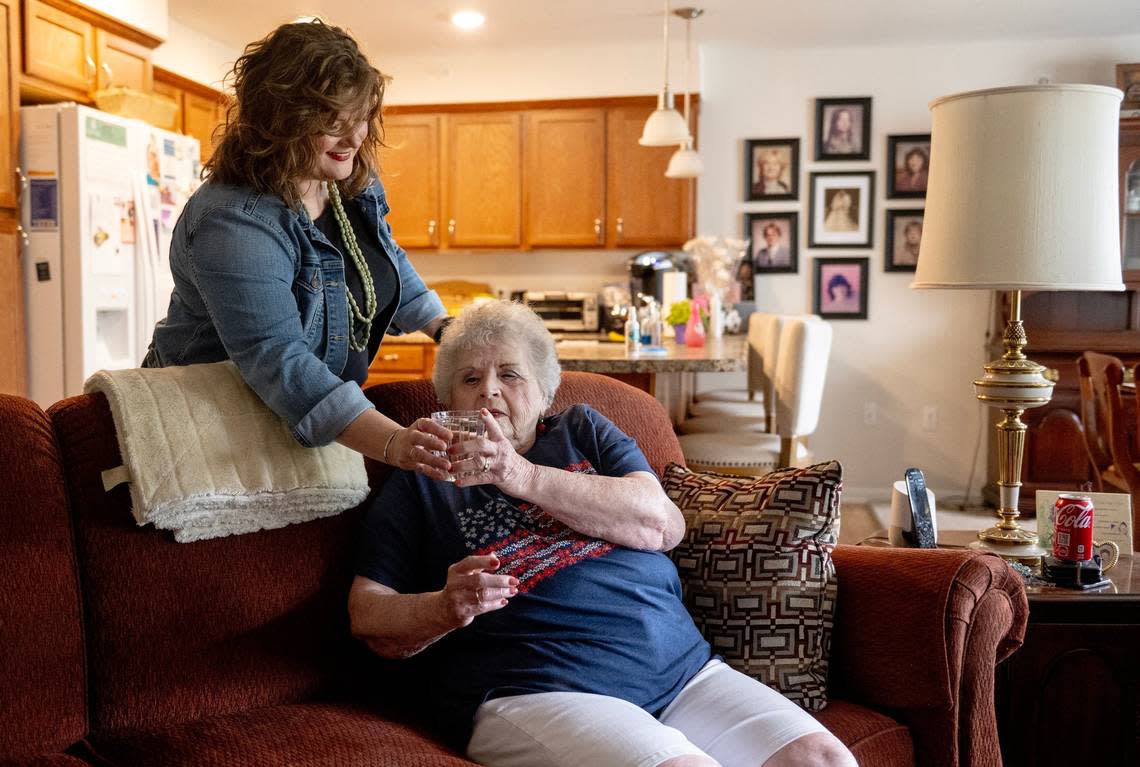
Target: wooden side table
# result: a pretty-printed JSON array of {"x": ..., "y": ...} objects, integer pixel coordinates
[{"x": 1071, "y": 694}]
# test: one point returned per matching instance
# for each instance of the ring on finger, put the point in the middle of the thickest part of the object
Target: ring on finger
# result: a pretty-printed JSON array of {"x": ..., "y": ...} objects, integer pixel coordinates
[
  {"x": 480, "y": 594},
  {"x": 486, "y": 463}
]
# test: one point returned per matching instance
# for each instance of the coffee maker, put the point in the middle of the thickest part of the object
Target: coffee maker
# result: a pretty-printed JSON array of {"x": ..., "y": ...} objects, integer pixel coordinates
[{"x": 646, "y": 270}]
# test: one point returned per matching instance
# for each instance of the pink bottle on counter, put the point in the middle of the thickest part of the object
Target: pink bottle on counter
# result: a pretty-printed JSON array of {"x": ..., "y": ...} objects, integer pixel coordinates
[{"x": 695, "y": 330}]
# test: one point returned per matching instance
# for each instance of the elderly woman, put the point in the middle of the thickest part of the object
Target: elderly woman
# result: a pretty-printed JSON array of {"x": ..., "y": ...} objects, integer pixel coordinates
[{"x": 550, "y": 622}]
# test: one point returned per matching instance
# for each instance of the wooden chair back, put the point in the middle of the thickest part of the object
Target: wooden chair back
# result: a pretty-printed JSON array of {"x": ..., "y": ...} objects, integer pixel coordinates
[
  {"x": 1122, "y": 435},
  {"x": 1094, "y": 412}
]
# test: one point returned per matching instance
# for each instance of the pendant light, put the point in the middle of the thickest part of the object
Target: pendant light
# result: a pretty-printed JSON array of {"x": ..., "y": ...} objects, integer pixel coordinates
[
  {"x": 665, "y": 126},
  {"x": 685, "y": 162}
]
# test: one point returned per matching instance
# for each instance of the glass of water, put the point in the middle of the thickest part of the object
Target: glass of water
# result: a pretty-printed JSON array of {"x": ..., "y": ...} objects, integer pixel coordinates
[{"x": 463, "y": 425}]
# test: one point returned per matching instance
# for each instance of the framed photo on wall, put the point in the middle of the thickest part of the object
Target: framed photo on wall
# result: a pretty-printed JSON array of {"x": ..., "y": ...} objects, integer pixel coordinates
[
  {"x": 841, "y": 209},
  {"x": 772, "y": 242},
  {"x": 904, "y": 234},
  {"x": 771, "y": 169},
  {"x": 909, "y": 158},
  {"x": 840, "y": 288},
  {"x": 843, "y": 128}
]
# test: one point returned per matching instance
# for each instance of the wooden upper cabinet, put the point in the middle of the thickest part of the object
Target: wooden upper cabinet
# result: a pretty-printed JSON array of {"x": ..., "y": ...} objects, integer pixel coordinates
[
  {"x": 122, "y": 62},
  {"x": 566, "y": 177},
  {"x": 174, "y": 93},
  {"x": 59, "y": 49},
  {"x": 484, "y": 179},
  {"x": 9, "y": 103},
  {"x": 644, "y": 208},
  {"x": 409, "y": 170},
  {"x": 200, "y": 116},
  {"x": 13, "y": 373}
]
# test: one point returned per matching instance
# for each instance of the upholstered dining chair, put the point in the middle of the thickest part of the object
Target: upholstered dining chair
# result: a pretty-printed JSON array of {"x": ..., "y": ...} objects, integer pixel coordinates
[
  {"x": 1091, "y": 367},
  {"x": 751, "y": 409},
  {"x": 801, "y": 369},
  {"x": 753, "y": 403}
]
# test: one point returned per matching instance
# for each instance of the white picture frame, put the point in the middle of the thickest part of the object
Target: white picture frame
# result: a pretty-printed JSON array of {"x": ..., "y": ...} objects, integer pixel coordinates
[{"x": 842, "y": 206}]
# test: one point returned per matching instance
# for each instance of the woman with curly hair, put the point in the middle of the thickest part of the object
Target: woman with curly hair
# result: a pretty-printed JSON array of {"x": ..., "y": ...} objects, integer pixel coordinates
[{"x": 283, "y": 262}]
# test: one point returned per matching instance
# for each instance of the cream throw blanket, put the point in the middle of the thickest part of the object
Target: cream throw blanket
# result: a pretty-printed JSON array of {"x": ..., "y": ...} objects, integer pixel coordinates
[{"x": 206, "y": 458}]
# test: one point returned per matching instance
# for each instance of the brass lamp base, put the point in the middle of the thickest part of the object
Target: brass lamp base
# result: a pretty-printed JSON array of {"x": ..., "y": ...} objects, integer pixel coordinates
[
  {"x": 1013, "y": 384},
  {"x": 1027, "y": 554}
]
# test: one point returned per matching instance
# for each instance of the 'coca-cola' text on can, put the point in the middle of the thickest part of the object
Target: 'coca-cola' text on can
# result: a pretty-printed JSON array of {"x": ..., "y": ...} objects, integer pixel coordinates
[{"x": 1072, "y": 532}]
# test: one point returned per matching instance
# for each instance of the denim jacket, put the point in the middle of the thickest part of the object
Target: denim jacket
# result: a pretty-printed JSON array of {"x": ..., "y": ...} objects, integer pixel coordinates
[{"x": 257, "y": 283}]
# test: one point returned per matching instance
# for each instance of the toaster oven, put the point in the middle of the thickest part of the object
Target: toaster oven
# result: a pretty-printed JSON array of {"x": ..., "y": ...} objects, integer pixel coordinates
[{"x": 563, "y": 311}]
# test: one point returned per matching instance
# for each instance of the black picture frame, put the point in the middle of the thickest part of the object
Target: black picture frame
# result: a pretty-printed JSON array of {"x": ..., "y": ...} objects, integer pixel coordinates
[
  {"x": 826, "y": 272},
  {"x": 822, "y": 186},
  {"x": 753, "y": 192},
  {"x": 899, "y": 186},
  {"x": 788, "y": 221},
  {"x": 894, "y": 259},
  {"x": 826, "y": 110}
]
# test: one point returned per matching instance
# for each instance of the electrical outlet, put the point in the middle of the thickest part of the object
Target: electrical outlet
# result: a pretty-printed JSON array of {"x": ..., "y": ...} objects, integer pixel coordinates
[
  {"x": 930, "y": 418},
  {"x": 870, "y": 413}
]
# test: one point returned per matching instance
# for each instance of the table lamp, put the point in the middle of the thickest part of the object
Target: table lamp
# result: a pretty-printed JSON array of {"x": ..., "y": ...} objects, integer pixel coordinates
[{"x": 1022, "y": 195}]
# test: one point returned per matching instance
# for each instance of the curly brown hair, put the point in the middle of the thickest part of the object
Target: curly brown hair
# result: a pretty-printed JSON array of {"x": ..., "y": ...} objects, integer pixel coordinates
[{"x": 292, "y": 86}]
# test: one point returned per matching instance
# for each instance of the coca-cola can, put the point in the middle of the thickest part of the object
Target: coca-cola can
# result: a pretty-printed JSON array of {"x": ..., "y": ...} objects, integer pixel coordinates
[{"x": 1072, "y": 531}]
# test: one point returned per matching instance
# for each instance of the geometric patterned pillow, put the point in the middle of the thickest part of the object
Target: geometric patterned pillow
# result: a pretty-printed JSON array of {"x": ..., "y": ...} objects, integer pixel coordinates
[{"x": 756, "y": 570}]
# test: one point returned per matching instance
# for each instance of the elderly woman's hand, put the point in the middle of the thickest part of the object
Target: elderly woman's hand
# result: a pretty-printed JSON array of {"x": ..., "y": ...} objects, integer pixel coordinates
[
  {"x": 472, "y": 589},
  {"x": 411, "y": 449},
  {"x": 491, "y": 459}
]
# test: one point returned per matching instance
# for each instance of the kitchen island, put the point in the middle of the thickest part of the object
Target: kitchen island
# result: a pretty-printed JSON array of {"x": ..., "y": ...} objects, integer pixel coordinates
[{"x": 668, "y": 374}]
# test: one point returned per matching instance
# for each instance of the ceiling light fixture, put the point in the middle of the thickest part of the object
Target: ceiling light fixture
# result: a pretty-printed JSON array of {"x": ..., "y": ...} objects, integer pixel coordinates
[
  {"x": 665, "y": 126},
  {"x": 685, "y": 162},
  {"x": 468, "y": 19}
]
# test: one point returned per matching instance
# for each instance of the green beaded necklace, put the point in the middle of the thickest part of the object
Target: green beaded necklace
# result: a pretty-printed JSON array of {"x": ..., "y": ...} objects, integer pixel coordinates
[{"x": 361, "y": 321}]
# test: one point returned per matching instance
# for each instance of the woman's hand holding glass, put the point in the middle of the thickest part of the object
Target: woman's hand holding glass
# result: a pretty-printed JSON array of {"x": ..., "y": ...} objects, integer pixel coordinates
[
  {"x": 420, "y": 447},
  {"x": 490, "y": 459}
]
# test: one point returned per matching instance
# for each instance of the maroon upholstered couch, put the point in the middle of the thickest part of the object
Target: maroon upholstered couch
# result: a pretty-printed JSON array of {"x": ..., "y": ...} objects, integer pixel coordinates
[{"x": 119, "y": 646}]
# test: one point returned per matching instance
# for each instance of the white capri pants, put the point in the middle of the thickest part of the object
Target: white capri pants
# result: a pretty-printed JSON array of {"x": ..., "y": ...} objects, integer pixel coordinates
[{"x": 720, "y": 713}]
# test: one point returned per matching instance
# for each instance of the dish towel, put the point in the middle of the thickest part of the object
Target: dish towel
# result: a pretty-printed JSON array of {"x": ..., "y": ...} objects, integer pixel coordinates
[{"x": 205, "y": 457}]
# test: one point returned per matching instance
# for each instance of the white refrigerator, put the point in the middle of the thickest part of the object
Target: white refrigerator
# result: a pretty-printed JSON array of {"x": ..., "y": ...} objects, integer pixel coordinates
[{"x": 103, "y": 195}]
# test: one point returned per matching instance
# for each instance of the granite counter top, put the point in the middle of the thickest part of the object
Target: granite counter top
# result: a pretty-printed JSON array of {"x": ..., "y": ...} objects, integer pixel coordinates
[
  {"x": 722, "y": 356},
  {"x": 408, "y": 338}
]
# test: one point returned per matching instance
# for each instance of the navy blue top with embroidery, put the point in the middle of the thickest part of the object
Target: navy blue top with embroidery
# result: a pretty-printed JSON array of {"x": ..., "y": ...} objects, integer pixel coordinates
[{"x": 590, "y": 616}]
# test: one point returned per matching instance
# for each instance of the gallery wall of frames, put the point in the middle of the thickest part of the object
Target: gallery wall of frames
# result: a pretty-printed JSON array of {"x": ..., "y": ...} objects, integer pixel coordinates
[{"x": 840, "y": 206}]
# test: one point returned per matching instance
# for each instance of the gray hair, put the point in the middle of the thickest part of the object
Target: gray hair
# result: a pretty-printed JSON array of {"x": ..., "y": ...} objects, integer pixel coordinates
[{"x": 498, "y": 322}]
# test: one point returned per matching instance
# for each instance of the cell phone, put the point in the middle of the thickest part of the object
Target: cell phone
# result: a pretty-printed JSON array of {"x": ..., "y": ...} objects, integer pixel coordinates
[{"x": 921, "y": 532}]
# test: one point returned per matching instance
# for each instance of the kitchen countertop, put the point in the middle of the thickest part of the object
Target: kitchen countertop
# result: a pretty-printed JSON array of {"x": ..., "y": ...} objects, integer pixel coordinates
[
  {"x": 408, "y": 338},
  {"x": 591, "y": 353},
  {"x": 725, "y": 355}
]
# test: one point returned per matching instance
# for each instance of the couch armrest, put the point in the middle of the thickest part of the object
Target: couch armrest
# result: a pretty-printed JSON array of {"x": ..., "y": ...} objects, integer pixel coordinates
[{"x": 918, "y": 634}]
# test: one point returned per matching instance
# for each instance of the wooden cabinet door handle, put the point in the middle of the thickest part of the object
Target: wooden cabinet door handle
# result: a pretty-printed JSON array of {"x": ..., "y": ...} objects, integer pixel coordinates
[
  {"x": 91, "y": 69},
  {"x": 431, "y": 228},
  {"x": 109, "y": 72},
  {"x": 451, "y": 228},
  {"x": 390, "y": 357},
  {"x": 598, "y": 229},
  {"x": 21, "y": 184},
  {"x": 620, "y": 226}
]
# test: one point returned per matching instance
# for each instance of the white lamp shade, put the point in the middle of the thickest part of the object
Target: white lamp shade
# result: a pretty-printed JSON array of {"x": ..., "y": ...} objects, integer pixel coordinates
[
  {"x": 685, "y": 163},
  {"x": 666, "y": 126},
  {"x": 1022, "y": 190}
]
